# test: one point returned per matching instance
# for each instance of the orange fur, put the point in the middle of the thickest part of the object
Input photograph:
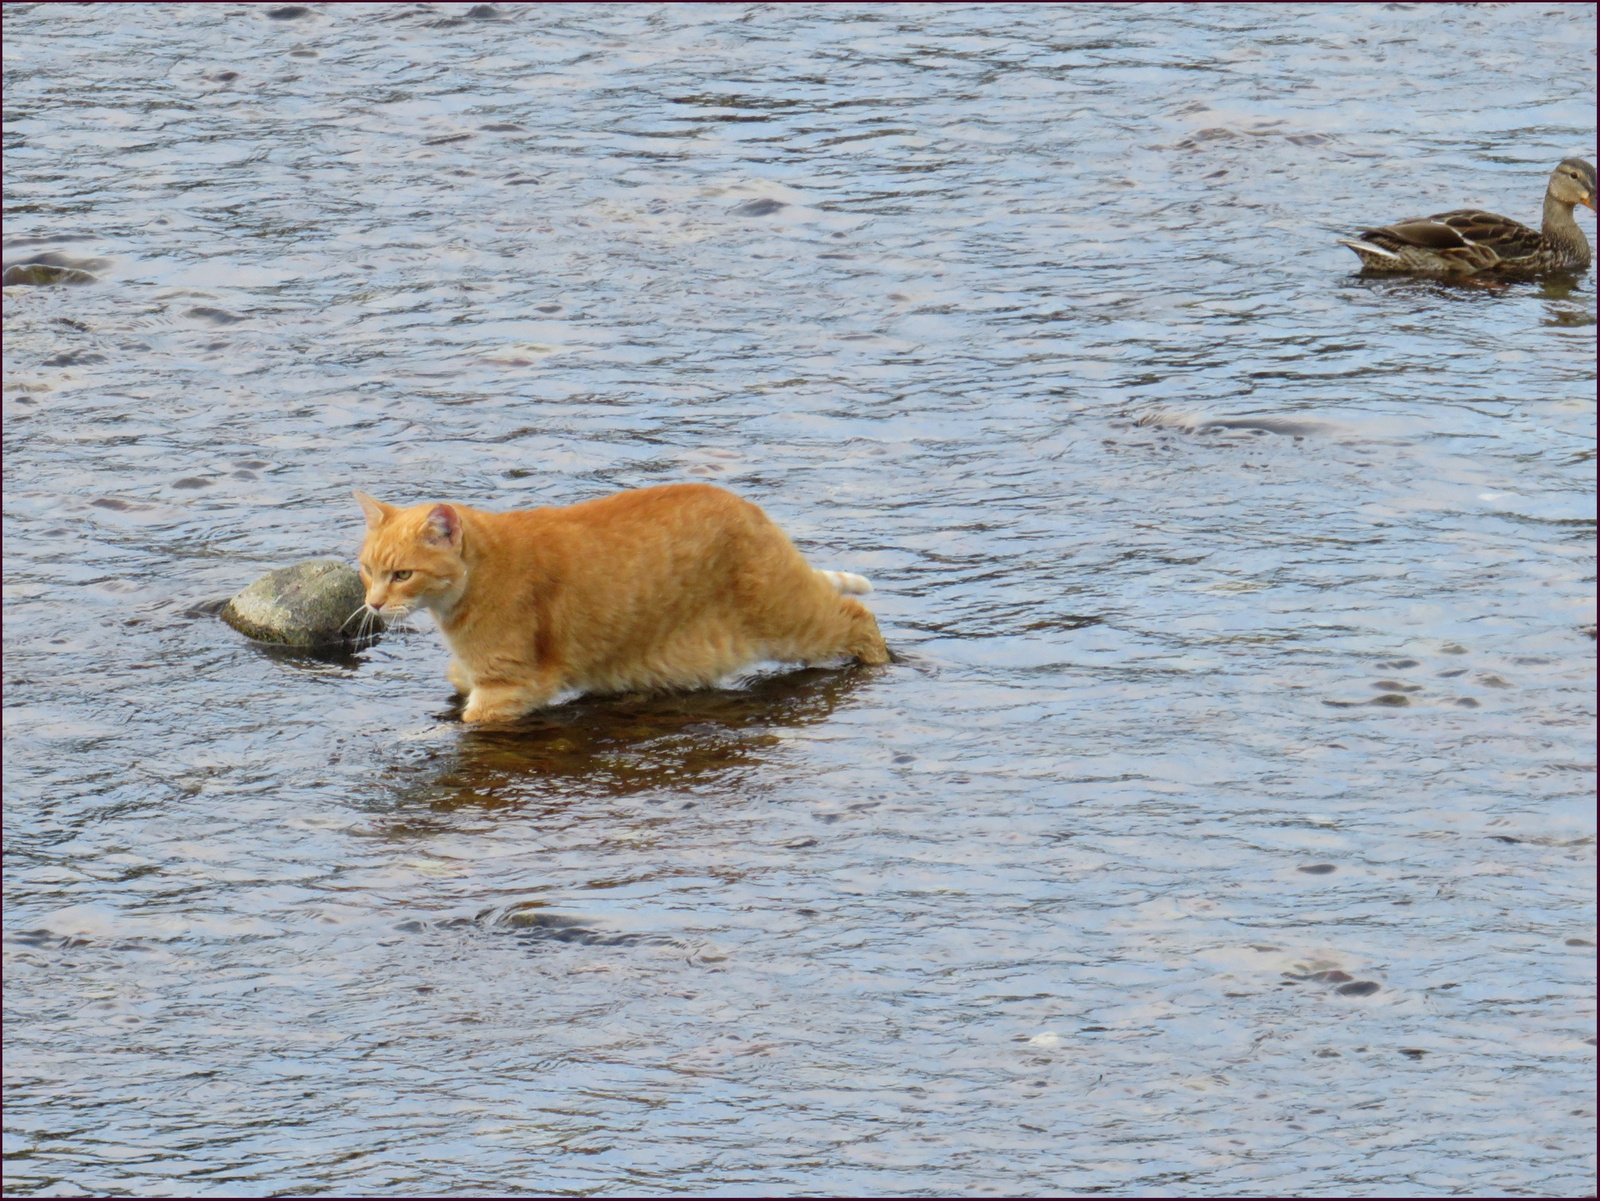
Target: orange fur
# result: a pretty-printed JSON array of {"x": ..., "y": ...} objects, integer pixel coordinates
[{"x": 670, "y": 587}]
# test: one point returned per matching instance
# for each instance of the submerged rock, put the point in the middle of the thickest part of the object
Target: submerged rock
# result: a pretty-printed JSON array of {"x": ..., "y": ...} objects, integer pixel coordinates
[
  {"x": 51, "y": 267},
  {"x": 314, "y": 603},
  {"x": 43, "y": 274}
]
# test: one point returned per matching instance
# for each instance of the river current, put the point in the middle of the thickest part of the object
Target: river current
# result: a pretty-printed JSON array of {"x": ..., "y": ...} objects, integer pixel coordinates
[{"x": 1226, "y": 825}]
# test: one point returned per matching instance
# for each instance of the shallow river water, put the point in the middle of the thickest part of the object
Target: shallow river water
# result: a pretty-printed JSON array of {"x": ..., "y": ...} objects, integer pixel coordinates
[{"x": 1226, "y": 825}]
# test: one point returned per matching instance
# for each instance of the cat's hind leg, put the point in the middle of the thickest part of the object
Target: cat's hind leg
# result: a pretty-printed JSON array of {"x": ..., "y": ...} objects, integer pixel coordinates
[
  {"x": 863, "y": 641},
  {"x": 837, "y": 628},
  {"x": 798, "y": 614}
]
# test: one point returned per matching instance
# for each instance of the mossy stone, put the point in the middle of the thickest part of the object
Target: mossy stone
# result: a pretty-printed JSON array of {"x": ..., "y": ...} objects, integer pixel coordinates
[
  {"x": 43, "y": 274},
  {"x": 309, "y": 604}
]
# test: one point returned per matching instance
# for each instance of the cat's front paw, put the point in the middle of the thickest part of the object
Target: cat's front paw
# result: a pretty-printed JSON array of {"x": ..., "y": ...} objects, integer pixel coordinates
[
  {"x": 496, "y": 704},
  {"x": 478, "y": 712}
]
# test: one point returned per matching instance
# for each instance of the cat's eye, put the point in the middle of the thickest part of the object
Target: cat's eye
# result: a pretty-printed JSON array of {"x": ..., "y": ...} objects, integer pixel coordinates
[{"x": 402, "y": 575}]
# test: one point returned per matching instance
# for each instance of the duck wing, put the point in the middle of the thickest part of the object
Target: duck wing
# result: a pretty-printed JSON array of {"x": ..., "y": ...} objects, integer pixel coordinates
[
  {"x": 1434, "y": 243},
  {"x": 1462, "y": 239},
  {"x": 1425, "y": 233},
  {"x": 1507, "y": 238}
]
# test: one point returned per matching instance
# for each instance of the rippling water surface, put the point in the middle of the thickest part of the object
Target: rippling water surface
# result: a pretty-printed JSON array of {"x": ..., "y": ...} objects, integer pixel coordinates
[{"x": 1226, "y": 828}]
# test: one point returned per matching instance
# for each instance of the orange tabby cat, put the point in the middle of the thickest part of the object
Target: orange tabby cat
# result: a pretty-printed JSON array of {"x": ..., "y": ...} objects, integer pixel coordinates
[{"x": 671, "y": 587}]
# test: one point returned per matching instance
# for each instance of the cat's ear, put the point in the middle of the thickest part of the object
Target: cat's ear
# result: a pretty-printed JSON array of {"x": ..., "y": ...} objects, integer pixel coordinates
[
  {"x": 443, "y": 526},
  {"x": 377, "y": 512}
]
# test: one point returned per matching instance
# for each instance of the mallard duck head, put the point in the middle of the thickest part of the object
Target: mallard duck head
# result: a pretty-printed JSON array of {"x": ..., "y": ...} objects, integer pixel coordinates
[{"x": 1573, "y": 182}]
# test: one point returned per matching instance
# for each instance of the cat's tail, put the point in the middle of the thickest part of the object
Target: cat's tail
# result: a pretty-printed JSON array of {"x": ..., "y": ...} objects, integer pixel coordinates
[{"x": 847, "y": 582}]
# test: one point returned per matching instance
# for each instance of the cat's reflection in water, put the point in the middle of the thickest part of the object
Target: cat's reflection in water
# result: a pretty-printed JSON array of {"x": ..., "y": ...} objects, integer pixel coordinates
[{"x": 619, "y": 746}]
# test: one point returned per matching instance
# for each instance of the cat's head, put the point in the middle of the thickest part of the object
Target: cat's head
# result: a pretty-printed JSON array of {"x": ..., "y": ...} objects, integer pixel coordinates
[{"x": 411, "y": 558}]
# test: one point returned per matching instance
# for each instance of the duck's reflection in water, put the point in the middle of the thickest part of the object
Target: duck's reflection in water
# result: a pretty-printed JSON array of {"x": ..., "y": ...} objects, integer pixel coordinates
[{"x": 620, "y": 746}]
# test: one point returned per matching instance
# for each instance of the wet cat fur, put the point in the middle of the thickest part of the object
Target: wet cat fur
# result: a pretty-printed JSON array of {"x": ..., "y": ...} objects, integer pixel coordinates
[{"x": 658, "y": 588}]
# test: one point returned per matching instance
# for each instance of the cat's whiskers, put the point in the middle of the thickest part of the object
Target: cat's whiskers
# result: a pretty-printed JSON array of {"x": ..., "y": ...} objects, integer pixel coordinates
[
  {"x": 371, "y": 623},
  {"x": 362, "y": 628},
  {"x": 399, "y": 617}
]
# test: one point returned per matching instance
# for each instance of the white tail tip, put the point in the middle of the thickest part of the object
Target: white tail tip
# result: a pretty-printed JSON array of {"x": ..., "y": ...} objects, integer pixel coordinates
[
  {"x": 1368, "y": 248},
  {"x": 847, "y": 582}
]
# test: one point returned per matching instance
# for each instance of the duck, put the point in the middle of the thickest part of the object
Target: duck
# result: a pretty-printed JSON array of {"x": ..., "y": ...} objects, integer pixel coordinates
[{"x": 1472, "y": 242}]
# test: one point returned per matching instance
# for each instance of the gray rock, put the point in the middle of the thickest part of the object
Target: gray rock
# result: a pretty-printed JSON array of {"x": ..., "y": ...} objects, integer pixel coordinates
[
  {"x": 43, "y": 274},
  {"x": 309, "y": 604}
]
